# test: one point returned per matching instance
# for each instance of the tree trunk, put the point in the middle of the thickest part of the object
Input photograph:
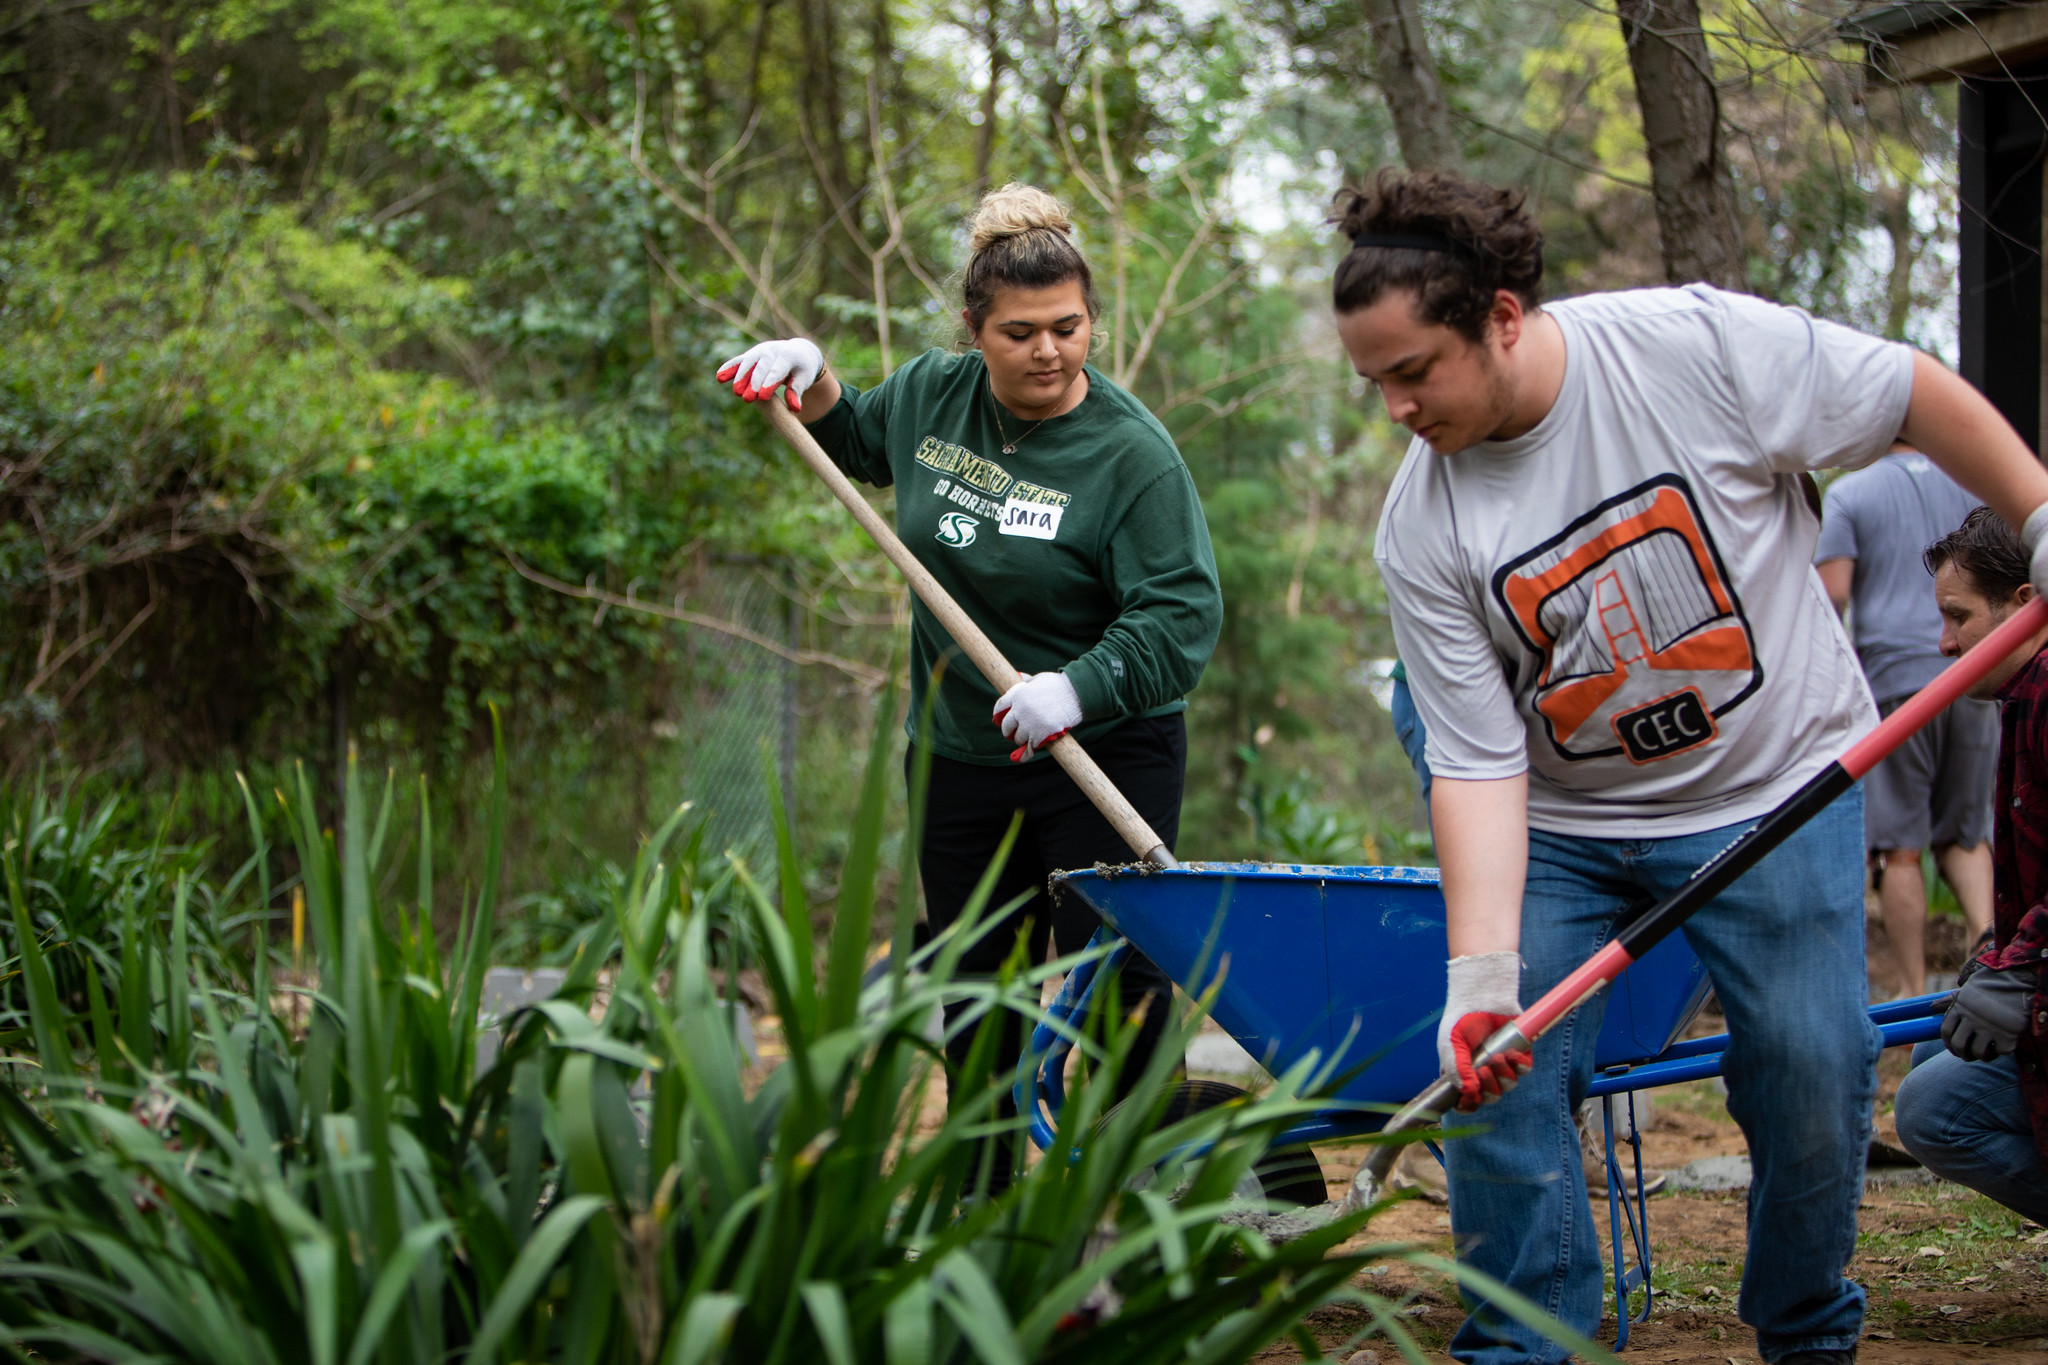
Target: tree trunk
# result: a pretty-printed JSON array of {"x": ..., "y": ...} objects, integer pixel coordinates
[
  {"x": 762, "y": 14},
  {"x": 1406, "y": 72},
  {"x": 985, "y": 135},
  {"x": 886, "y": 70},
  {"x": 1897, "y": 215},
  {"x": 1043, "y": 33},
  {"x": 1694, "y": 192},
  {"x": 823, "y": 112}
]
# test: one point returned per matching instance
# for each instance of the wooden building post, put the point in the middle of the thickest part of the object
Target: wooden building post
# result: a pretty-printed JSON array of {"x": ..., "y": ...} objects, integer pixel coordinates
[{"x": 1997, "y": 51}]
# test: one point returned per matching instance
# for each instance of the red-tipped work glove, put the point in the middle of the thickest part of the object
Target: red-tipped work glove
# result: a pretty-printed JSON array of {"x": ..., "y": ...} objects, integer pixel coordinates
[
  {"x": 1484, "y": 992},
  {"x": 756, "y": 373},
  {"x": 1037, "y": 711}
]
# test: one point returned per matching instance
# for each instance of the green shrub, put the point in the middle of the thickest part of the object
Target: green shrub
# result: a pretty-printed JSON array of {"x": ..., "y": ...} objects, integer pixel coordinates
[
  {"x": 236, "y": 492},
  {"x": 98, "y": 909},
  {"x": 554, "y": 927},
  {"x": 1292, "y": 826},
  {"x": 235, "y": 1187}
]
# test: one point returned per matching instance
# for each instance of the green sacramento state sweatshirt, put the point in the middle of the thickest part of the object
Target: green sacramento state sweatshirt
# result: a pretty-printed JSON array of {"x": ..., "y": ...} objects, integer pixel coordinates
[{"x": 1084, "y": 551}]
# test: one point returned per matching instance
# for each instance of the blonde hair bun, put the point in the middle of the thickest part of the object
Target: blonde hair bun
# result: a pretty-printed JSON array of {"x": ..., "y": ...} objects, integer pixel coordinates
[
  {"x": 1013, "y": 210},
  {"x": 1020, "y": 237}
]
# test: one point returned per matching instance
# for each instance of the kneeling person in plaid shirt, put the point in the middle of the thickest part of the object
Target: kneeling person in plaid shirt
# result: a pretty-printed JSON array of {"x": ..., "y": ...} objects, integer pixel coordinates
[{"x": 1977, "y": 1114}]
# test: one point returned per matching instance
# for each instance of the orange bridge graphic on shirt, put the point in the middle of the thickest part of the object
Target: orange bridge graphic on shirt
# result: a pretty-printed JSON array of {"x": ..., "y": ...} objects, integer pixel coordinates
[{"x": 1643, "y": 642}]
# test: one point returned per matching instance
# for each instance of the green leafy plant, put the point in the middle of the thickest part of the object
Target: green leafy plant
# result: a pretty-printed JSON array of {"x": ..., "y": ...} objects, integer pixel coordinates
[
  {"x": 317, "y": 1171},
  {"x": 1291, "y": 825},
  {"x": 555, "y": 926},
  {"x": 97, "y": 907}
]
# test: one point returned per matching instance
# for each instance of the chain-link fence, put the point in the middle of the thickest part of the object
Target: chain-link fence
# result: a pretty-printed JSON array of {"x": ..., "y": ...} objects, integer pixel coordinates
[{"x": 738, "y": 714}]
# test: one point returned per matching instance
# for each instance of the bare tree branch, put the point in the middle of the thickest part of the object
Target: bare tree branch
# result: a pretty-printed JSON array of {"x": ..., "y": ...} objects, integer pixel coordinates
[
  {"x": 1545, "y": 149},
  {"x": 113, "y": 646},
  {"x": 704, "y": 215},
  {"x": 1199, "y": 393},
  {"x": 1162, "y": 307},
  {"x": 866, "y": 675}
]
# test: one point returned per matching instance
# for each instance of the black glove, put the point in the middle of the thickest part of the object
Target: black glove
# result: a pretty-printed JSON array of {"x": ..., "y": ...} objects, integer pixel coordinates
[
  {"x": 1990, "y": 1012},
  {"x": 1971, "y": 966}
]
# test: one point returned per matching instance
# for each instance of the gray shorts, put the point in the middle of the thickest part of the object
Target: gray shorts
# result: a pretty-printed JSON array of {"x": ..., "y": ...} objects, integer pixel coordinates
[{"x": 1936, "y": 788}]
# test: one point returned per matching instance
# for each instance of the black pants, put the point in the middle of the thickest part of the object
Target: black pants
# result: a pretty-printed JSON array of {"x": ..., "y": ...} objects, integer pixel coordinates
[{"x": 968, "y": 808}]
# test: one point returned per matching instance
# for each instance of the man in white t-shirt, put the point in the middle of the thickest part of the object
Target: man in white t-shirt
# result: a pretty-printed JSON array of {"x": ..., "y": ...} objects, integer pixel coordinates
[{"x": 1597, "y": 559}]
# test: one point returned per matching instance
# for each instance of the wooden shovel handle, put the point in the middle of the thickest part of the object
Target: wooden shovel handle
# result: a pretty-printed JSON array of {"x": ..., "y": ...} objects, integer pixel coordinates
[{"x": 981, "y": 650}]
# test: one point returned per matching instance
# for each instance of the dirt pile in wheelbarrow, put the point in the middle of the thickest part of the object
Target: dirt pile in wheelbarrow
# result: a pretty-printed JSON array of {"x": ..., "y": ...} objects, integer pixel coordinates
[{"x": 1952, "y": 1277}]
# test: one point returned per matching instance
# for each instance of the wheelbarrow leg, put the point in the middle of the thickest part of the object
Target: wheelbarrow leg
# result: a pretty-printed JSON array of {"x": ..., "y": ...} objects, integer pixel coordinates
[
  {"x": 1626, "y": 1281},
  {"x": 1041, "y": 1085}
]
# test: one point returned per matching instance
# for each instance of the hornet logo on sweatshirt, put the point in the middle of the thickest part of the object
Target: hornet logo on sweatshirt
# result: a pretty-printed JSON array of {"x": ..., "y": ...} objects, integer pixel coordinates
[{"x": 957, "y": 530}]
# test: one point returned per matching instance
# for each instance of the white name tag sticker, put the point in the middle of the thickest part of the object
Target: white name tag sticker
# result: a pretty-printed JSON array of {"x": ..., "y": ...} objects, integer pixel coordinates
[{"x": 1038, "y": 520}]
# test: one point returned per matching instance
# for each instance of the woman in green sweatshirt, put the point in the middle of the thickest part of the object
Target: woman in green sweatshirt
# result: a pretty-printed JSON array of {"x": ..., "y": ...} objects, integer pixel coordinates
[{"x": 1056, "y": 511}]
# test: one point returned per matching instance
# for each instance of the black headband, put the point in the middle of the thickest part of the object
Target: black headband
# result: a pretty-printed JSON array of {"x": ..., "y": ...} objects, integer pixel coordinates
[{"x": 1404, "y": 241}]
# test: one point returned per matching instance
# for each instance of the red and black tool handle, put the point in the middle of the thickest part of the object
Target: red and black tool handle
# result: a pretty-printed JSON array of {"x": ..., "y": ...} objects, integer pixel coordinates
[{"x": 1648, "y": 929}]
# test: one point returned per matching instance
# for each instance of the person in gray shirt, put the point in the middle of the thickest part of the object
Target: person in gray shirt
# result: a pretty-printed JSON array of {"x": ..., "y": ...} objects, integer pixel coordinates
[{"x": 1935, "y": 790}]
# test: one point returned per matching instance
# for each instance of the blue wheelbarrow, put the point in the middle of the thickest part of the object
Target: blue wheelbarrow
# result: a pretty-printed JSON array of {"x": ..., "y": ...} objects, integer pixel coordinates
[{"x": 1292, "y": 937}]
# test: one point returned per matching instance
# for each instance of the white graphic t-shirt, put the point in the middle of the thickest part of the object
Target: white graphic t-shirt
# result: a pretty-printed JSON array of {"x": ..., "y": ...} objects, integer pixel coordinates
[{"x": 1621, "y": 602}]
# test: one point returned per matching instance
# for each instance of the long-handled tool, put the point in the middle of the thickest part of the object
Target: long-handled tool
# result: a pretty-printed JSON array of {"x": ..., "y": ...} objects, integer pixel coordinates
[
  {"x": 1648, "y": 929},
  {"x": 977, "y": 646}
]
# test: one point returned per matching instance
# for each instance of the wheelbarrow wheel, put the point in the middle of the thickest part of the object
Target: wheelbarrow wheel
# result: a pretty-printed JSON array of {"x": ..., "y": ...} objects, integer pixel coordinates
[{"x": 1288, "y": 1177}]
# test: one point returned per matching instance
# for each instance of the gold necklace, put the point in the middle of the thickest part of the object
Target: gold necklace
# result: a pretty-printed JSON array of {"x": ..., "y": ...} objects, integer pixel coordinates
[{"x": 1010, "y": 446}]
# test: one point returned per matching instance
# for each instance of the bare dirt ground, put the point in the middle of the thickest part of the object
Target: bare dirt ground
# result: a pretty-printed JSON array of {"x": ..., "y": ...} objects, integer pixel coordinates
[{"x": 1952, "y": 1277}]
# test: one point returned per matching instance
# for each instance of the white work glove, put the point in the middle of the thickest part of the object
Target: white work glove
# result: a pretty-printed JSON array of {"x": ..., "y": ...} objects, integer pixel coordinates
[
  {"x": 1037, "y": 711},
  {"x": 2035, "y": 534},
  {"x": 756, "y": 372},
  {"x": 1483, "y": 992}
]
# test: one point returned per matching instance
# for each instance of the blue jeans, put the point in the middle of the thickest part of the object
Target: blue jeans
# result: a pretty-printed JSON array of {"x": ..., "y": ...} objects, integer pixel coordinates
[
  {"x": 1409, "y": 729},
  {"x": 1784, "y": 945},
  {"x": 1967, "y": 1122}
]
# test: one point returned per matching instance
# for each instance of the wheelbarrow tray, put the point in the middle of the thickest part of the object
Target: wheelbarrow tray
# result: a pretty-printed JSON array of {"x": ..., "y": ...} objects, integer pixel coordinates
[{"x": 1345, "y": 961}]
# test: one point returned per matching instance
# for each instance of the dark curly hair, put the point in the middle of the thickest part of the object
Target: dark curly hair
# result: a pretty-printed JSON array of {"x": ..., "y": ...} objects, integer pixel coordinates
[
  {"x": 1494, "y": 245},
  {"x": 1986, "y": 553}
]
